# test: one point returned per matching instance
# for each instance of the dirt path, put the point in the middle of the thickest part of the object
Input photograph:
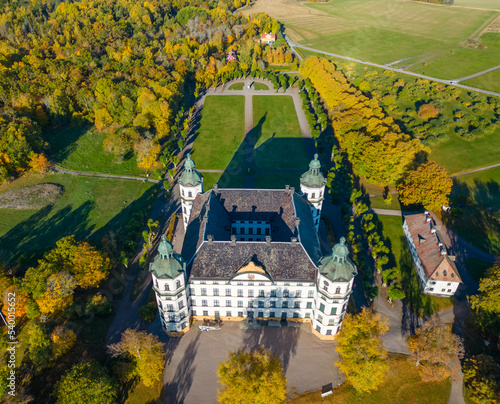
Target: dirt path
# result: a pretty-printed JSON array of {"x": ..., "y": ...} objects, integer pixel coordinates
[
  {"x": 475, "y": 170},
  {"x": 121, "y": 177}
]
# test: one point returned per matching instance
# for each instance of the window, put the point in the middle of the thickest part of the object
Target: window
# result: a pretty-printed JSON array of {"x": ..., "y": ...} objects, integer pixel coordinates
[
  {"x": 182, "y": 192},
  {"x": 286, "y": 293},
  {"x": 228, "y": 303},
  {"x": 299, "y": 284},
  {"x": 308, "y": 315},
  {"x": 216, "y": 313},
  {"x": 205, "y": 312},
  {"x": 240, "y": 303},
  {"x": 337, "y": 291},
  {"x": 216, "y": 292},
  {"x": 240, "y": 314},
  {"x": 272, "y": 304},
  {"x": 325, "y": 283},
  {"x": 322, "y": 307},
  {"x": 250, "y": 304},
  {"x": 267, "y": 231},
  {"x": 228, "y": 313},
  {"x": 181, "y": 305},
  {"x": 318, "y": 328},
  {"x": 310, "y": 293},
  {"x": 203, "y": 291},
  {"x": 184, "y": 209},
  {"x": 177, "y": 284},
  {"x": 228, "y": 292},
  {"x": 443, "y": 290},
  {"x": 296, "y": 305},
  {"x": 240, "y": 283},
  {"x": 233, "y": 230},
  {"x": 272, "y": 314},
  {"x": 242, "y": 230},
  {"x": 204, "y": 303},
  {"x": 284, "y": 305},
  {"x": 240, "y": 292},
  {"x": 334, "y": 311},
  {"x": 298, "y": 294},
  {"x": 325, "y": 288},
  {"x": 328, "y": 332},
  {"x": 283, "y": 315},
  {"x": 433, "y": 283},
  {"x": 295, "y": 315},
  {"x": 203, "y": 283},
  {"x": 250, "y": 293},
  {"x": 449, "y": 284},
  {"x": 170, "y": 307},
  {"x": 259, "y": 230},
  {"x": 193, "y": 302},
  {"x": 216, "y": 303},
  {"x": 261, "y": 314},
  {"x": 261, "y": 293},
  {"x": 313, "y": 195},
  {"x": 445, "y": 273},
  {"x": 193, "y": 313},
  {"x": 309, "y": 305},
  {"x": 449, "y": 290},
  {"x": 261, "y": 304},
  {"x": 320, "y": 318},
  {"x": 215, "y": 283},
  {"x": 273, "y": 293},
  {"x": 431, "y": 289},
  {"x": 250, "y": 230},
  {"x": 331, "y": 321},
  {"x": 191, "y": 292},
  {"x": 262, "y": 284}
]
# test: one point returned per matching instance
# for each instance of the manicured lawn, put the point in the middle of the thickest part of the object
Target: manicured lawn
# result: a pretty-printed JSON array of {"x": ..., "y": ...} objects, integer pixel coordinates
[
  {"x": 403, "y": 385},
  {"x": 458, "y": 155},
  {"x": 81, "y": 149},
  {"x": 90, "y": 207},
  {"x": 221, "y": 133},
  {"x": 491, "y": 40},
  {"x": 223, "y": 180},
  {"x": 489, "y": 81},
  {"x": 277, "y": 181},
  {"x": 378, "y": 202},
  {"x": 260, "y": 86},
  {"x": 477, "y": 268},
  {"x": 420, "y": 303},
  {"x": 478, "y": 220},
  {"x": 276, "y": 134},
  {"x": 236, "y": 86}
]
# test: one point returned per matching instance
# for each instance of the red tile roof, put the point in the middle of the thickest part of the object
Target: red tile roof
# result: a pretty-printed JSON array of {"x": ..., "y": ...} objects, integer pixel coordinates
[{"x": 435, "y": 260}]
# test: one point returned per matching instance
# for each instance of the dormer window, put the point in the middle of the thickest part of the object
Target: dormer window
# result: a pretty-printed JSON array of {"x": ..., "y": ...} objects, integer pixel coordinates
[
  {"x": 445, "y": 273},
  {"x": 167, "y": 287},
  {"x": 190, "y": 194},
  {"x": 337, "y": 291}
]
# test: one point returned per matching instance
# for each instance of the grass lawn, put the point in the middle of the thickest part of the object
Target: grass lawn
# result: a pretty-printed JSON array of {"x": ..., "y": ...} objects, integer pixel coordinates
[
  {"x": 81, "y": 149},
  {"x": 478, "y": 195},
  {"x": 489, "y": 81},
  {"x": 276, "y": 134},
  {"x": 458, "y": 155},
  {"x": 277, "y": 181},
  {"x": 223, "y": 180},
  {"x": 491, "y": 4},
  {"x": 403, "y": 385},
  {"x": 221, "y": 133},
  {"x": 90, "y": 207},
  {"x": 477, "y": 268},
  {"x": 422, "y": 304},
  {"x": 260, "y": 86},
  {"x": 236, "y": 86}
]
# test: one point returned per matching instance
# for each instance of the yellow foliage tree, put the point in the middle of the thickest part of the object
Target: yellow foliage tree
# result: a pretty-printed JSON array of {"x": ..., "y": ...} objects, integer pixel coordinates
[
  {"x": 89, "y": 266},
  {"x": 19, "y": 301},
  {"x": 147, "y": 151},
  {"x": 62, "y": 339},
  {"x": 39, "y": 163},
  {"x": 363, "y": 357},
  {"x": 59, "y": 293}
]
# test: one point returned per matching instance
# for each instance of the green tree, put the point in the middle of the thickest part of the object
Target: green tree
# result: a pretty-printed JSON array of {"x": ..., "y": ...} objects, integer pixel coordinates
[
  {"x": 145, "y": 351},
  {"x": 251, "y": 377},
  {"x": 394, "y": 292},
  {"x": 39, "y": 346},
  {"x": 363, "y": 357},
  {"x": 86, "y": 383},
  {"x": 486, "y": 304},
  {"x": 428, "y": 186},
  {"x": 482, "y": 378}
]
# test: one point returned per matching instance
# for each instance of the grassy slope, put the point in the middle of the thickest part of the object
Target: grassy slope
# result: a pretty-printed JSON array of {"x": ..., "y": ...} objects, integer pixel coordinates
[
  {"x": 87, "y": 206},
  {"x": 221, "y": 132},
  {"x": 81, "y": 149},
  {"x": 276, "y": 133},
  {"x": 423, "y": 304},
  {"x": 403, "y": 385}
]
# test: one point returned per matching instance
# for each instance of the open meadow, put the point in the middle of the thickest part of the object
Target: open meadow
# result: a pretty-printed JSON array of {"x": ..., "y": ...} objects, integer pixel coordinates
[{"x": 422, "y": 37}]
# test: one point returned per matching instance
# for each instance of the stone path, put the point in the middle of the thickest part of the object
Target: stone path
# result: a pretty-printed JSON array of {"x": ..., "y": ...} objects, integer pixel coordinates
[{"x": 121, "y": 177}]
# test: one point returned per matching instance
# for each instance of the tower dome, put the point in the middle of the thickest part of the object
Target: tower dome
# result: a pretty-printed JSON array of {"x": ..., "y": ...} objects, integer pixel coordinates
[
  {"x": 338, "y": 266},
  {"x": 313, "y": 178},
  {"x": 166, "y": 264},
  {"x": 190, "y": 177}
]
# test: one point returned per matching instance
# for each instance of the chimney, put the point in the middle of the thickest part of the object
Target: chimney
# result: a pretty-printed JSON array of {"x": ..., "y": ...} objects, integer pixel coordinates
[
  {"x": 233, "y": 240},
  {"x": 216, "y": 188},
  {"x": 297, "y": 222},
  {"x": 428, "y": 219},
  {"x": 210, "y": 239},
  {"x": 268, "y": 240},
  {"x": 293, "y": 241},
  {"x": 292, "y": 190},
  {"x": 443, "y": 252},
  {"x": 287, "y": 188}
]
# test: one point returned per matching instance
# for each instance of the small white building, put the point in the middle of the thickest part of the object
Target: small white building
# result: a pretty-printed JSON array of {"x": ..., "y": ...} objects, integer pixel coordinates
[
  {"x": 436, "y": 270},
  {"x": 253, "y": 254}
]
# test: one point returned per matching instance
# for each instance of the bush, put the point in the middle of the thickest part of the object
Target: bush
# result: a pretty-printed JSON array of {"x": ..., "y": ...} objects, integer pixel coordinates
[{"x": 148, "y": 312}]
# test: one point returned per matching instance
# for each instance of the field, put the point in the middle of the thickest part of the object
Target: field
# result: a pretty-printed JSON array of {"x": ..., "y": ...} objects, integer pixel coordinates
[
  {"x": 221, "y": 133},
  {"x": 89, "y": 207},
  {"x": 489, "y": 81},
  {"x": 403, "y": 385},
  {"x": 276, "y": 134},
  {"x": 81, "y": 149},
  {"x": 420, "y": 303},
  {"x": 431, "y": 39}
]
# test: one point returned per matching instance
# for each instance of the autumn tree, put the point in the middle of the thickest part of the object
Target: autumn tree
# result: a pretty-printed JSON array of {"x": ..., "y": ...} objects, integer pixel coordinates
[
  {"x": 428, "y": 186},
  {"x": 435, "y": 350},
  {"x": 86, "y": 383},
  {"x": 39, "y": 345},
  {"x": 428, "y": 111},
  {"x": 486, "y": 304},
  {"x": 39, "y": 163},
  {"x": 145, "y": 351},
  {"x": 62, "y": 339},
  {"x": 363, "y": 357},
  {"x": 20, "y": 301},
  {"x": 251, "y": 377},
  {"x": 89, "y": 266},
  {"x": 58, "y": 294},
  {"x": 482, "y": 378}
]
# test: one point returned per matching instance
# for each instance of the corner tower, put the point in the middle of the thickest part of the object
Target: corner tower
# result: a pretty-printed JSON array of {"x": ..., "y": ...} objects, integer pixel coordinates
[
  {"x": 312, "y": 185},
  {"x": 190, "y": 185}
]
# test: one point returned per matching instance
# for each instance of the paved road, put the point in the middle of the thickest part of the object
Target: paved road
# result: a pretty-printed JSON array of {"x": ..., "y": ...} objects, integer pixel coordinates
[
  {"x": 121, "y": 177},
  {"x": 477, "y": 74},
  {"x": 475, "y": 171},
  {"x": 293, "y": 45}
]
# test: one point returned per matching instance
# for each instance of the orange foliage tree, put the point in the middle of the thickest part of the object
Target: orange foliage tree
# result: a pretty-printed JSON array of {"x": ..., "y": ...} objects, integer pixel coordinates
[
  {"x": 39, "y": 163},
  {"x": 19, "y": 303}
]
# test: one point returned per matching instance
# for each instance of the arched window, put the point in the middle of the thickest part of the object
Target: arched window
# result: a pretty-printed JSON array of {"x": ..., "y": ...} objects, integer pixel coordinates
[
  {"x": 313, "y": 195},
  {"x": 337, "y": 291},
  {"x": 190, "y": 194},
  {"x": 167, "y": 287}
]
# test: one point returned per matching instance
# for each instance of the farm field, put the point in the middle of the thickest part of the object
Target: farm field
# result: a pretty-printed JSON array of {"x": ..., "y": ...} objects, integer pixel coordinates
[
  {"x": 221, "y": 133},
  {"x": 276, "y": 134},
  {"x": 89, "y": 207},
  {"x": 430, "y": 38},
  {"x": 81, "y": 149},
  {"x": 403, "y": 385}
]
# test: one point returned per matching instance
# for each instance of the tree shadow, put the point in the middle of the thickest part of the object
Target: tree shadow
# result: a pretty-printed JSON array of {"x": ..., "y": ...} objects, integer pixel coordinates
[
  {"x": 177, "y": 389},
  {"x": 63, "y": 141},
  {"x": 27, "y": 241}
]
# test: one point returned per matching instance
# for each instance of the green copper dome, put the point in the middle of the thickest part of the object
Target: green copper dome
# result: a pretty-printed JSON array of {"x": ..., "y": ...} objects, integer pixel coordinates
[
  {"x": 313, "y": 178},
  {"x": 190, "y": 177},
  {"x": 166, "y": 264},
  {"x": 338, "y": 267}
]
